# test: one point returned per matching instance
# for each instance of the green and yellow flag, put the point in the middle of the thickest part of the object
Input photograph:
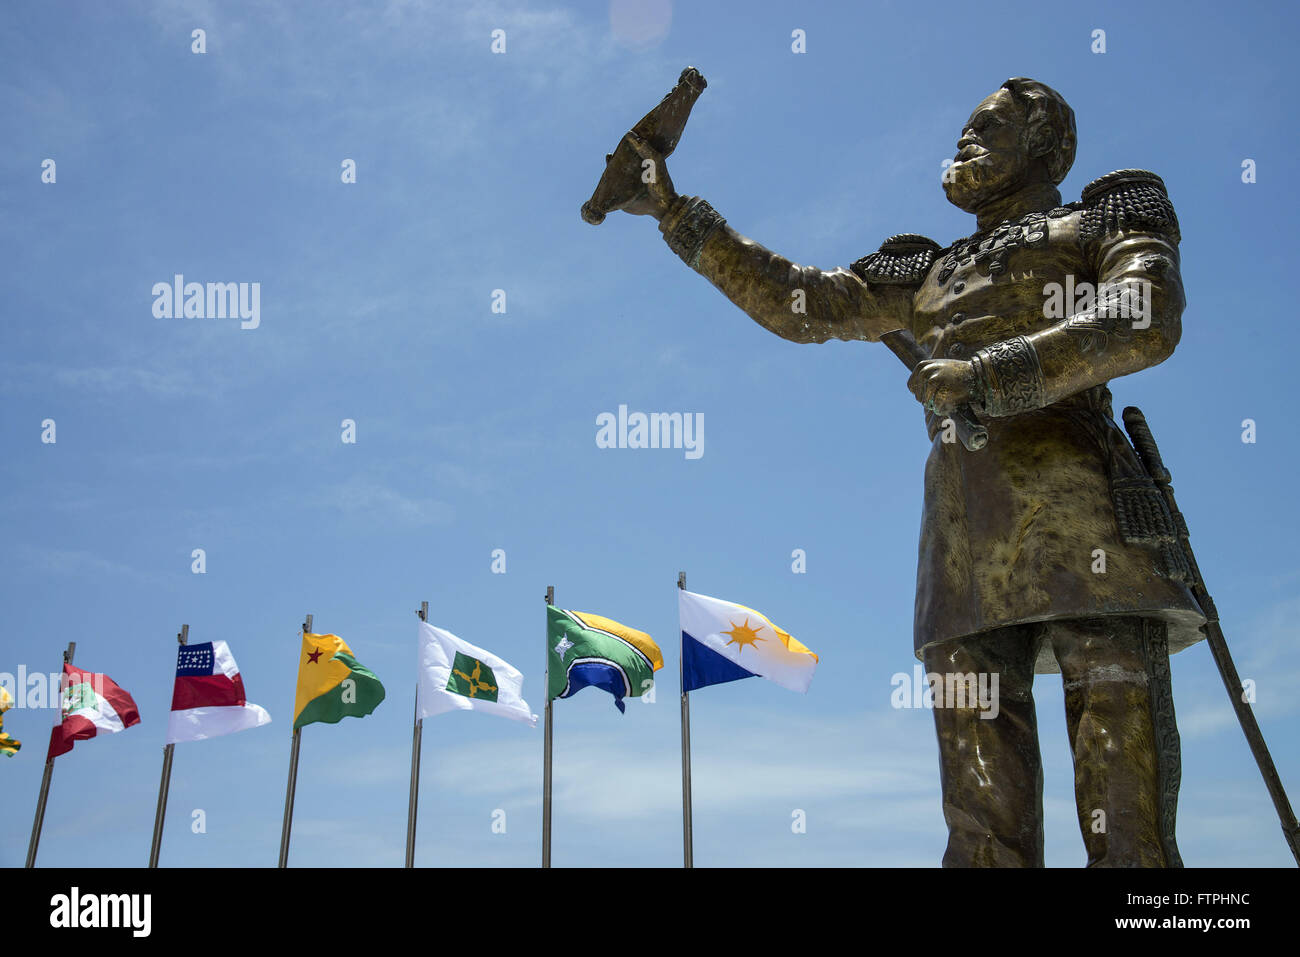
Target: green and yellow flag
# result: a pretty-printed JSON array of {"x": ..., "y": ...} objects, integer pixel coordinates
[
  {"x": 332, "y": 684},
  {"x": 588, "y": 650},
  {"x": 8, "y": 746}
]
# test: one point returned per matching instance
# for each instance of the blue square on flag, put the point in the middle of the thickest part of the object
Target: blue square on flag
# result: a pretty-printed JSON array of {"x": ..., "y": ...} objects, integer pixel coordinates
[
  {"x": 194, "y": 660},
  {"x": 208, "y": 696}
]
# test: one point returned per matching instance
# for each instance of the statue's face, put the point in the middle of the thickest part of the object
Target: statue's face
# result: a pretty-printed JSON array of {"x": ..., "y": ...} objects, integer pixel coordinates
[{"x": 992, "y": 155}]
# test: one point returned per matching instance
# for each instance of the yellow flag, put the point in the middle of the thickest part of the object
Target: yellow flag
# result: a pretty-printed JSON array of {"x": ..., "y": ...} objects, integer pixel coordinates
[
  {"x": 332, "y": 684},
  {"x": 8, "y": 746}
]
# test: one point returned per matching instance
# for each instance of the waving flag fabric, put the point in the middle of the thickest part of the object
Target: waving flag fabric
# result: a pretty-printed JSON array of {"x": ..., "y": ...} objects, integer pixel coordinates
[
  {"x": 8, "y": 746},
  {"x": 332, "y": 685},
  {"x": 723, "y": 641},
  {"x": 91, "y": 703},
  {"x": 588, "y": 650},
  {"x": 208, "y": 697},
  {"x": 457, "y": 676}
]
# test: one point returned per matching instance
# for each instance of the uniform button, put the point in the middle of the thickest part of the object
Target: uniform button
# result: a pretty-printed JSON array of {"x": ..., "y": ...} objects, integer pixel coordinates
[
  {"x": 958, "y": 286},
  {"x": 956, "y": 350},
  {"x": 958, "y": 318}
]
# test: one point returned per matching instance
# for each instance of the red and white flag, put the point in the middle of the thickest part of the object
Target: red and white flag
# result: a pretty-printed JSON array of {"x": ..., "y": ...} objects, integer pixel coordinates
[
  {"x": 208, "y": 700},
  {"x": 91, "y": 703}
]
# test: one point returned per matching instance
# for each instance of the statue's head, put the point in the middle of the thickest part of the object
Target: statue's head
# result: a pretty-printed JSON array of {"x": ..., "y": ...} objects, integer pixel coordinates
[{"x": 1022, "y": 134}]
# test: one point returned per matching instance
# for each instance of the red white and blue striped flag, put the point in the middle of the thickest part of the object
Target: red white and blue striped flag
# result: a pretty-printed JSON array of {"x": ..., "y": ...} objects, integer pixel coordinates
[{"x": 208, "y": 700}]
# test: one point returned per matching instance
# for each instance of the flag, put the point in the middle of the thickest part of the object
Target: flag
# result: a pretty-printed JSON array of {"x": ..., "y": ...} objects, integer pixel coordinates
[
  {"x": 8, "y": 746},
  {"x": 208, "y": 697},
  {"x": 723, "y": 641},
  {"x": 91, "y": 703},
  {"x": 332, "y": 685},
  {"x": 456, "y": 676},
  {"x": 590, "y": 650}
]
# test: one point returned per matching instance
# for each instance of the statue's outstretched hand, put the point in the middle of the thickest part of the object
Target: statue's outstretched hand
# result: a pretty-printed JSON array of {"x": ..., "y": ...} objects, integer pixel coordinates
[
  {"x": 658, "y": 193},
  {"x": 941, "y": 385}
]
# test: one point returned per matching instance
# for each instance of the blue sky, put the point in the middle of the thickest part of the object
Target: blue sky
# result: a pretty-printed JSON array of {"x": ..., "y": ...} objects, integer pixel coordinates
[{"x": 476, "y": 431}]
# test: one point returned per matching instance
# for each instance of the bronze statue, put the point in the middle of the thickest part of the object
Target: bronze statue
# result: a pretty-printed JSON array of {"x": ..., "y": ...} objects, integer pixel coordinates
[{"x": 1050, "y": 548}]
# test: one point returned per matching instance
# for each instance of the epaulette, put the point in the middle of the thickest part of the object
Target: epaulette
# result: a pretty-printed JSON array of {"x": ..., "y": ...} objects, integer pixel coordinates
[
  {"x": 903, "y": 260},
  {"x": 1127, "y": 199}
]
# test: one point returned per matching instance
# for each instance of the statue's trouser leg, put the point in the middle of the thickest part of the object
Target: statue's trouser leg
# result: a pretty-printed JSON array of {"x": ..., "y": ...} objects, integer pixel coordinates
[
  {"x": 1108, "y": 712},
  {"x": 990, "y": 770},
  {"x": 1168, "y": 743}
]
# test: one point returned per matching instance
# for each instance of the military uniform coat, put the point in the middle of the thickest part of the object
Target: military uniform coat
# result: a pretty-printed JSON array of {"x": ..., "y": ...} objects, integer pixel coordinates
[{"x": 1017, "y": 531}]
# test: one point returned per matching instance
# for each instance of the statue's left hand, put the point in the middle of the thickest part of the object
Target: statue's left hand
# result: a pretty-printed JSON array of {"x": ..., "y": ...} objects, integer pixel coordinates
[
  {"x": 659, "y": 194},
  {"x": 941, "y": 385}
]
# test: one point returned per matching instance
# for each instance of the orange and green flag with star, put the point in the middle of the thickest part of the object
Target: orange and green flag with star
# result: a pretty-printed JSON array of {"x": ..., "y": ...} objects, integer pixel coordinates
[{"x": 332, "y": 684}]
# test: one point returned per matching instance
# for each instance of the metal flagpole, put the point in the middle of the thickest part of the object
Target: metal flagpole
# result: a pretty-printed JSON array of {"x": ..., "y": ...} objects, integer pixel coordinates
[
  {"x": 688, "y": 837},
  {"x": 413, "y": 808},
  {"x": 165, "y": 785},
  {"x": 546, "y": 744},
  {"x": 45, "y": 780},
  {"x": 293, "y": 780}
]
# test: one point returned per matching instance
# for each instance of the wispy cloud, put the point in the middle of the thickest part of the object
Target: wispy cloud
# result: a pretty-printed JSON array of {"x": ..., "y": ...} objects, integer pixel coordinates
[
  {"x": 373, "y": 502},
  {"x": 101, "y": 380},
  {"x": 792, "y": 762},
  {"x": 75, "y": 562}
]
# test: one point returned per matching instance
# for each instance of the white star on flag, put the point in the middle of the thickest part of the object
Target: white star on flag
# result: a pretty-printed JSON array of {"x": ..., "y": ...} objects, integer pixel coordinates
[{"x": 563, "y": 647}]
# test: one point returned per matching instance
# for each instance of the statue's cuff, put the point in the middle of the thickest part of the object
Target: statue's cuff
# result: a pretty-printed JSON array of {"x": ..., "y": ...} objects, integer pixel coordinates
[
  {"x": 1009, "y": 377},
  {"x": 687, "y": 225}
]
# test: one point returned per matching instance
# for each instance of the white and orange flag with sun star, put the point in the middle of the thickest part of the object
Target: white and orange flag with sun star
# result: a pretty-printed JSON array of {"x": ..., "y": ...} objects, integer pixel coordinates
[{"x": 724, "y": 641}]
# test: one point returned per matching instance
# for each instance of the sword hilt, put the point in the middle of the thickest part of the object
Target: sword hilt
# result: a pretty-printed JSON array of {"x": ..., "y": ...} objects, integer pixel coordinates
[
  {"x": 972, "y": 433},
  {"x": 1145, "y": 444}
]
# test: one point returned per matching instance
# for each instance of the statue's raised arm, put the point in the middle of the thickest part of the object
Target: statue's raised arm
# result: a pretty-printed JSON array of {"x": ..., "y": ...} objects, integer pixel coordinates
[{"x": 799, "y": 303}]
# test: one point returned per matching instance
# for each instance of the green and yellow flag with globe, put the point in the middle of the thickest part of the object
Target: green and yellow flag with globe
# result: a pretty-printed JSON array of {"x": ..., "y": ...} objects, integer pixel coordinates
[{"x": 332, "y": 684}]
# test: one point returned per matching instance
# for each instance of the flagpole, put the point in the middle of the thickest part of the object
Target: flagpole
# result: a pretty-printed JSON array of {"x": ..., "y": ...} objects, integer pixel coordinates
[
  {"x": 165, "y": 785},
  {"x": 413, "y": 808},
  {"x": 293, "y": 780},
  {"x": 49, "y": 770},
  {"x": 546, "y": 744},
  {"x": 688, "y": 834}
]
